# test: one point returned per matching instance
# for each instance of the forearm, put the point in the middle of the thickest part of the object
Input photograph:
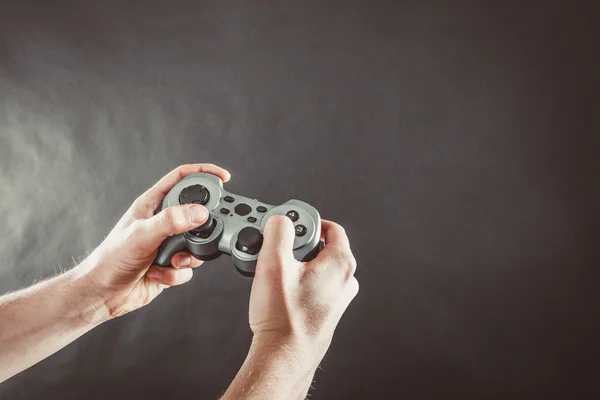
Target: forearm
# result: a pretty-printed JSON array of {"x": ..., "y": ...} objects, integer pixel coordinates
[
  {"x": 38, "y": 321},
  {"x": 274, "y": 369}
]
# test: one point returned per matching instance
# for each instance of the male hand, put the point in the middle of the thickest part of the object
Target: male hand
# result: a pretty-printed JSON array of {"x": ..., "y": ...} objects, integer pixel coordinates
[
  {"x": 294, "y": 309},
  {"x": 119, "y": 272},
  {"x": 300, "y": 304}
]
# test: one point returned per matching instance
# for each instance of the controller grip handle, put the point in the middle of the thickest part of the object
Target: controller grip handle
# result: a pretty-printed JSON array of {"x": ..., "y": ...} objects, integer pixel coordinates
[{"x": 168, "y": 248}]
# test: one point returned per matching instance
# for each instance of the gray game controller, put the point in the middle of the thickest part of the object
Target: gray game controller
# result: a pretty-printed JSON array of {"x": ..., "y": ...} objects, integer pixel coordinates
[{"x": 235, "y": 225}]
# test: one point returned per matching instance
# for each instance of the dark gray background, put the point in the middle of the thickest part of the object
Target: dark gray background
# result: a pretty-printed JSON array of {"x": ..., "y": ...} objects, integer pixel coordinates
[{"x": 456, "y": 142}]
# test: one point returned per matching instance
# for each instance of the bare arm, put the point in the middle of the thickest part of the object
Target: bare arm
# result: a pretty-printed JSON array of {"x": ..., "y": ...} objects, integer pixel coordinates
[
  {"x": 294, "y": 309},
  {"x": 40, "y": 320},
  {"x": 117, "y": 277},
  {"x": 294, "y": 306},
  {"x": 275, "y": 368}
]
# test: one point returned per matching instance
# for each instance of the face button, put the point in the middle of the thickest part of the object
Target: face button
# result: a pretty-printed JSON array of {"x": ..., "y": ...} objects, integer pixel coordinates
[
  {"x": 229, "y": 199},
  {"x": 243, "y": 209},
  {"x": 300, "y": 230},
  {"x": 251, "y": 219},
  {"x": 293, "y": 215},
  {"x": 261, "y": 209},
  {"x": 249, "y": 240},
  {"x": 204, "y": 230},
  {"x": 195, "y": 194},
  {"x": 224, "y": 210}
]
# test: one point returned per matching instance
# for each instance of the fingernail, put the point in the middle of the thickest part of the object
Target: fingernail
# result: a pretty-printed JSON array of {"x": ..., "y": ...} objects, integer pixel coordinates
[
  {"x": 198, "y": 214},
  {"x": 185, "y": 261},
  {"x": 154, "y": 273}
]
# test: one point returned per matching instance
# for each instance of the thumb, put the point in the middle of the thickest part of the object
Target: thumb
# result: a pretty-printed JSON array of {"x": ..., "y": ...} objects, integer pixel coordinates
[
  {"x": 278, "y": 239},
  {"x": 170, "y": 221}
]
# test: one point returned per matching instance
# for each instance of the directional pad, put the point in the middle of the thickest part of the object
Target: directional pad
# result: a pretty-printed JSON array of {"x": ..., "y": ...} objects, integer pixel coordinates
[{"x": 195, "y": 194}]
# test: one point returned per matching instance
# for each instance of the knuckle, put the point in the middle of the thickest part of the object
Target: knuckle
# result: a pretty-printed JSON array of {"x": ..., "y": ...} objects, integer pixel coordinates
[
  {"x": 138, "y": 203},
  {"x": 168, "y": 279},
  {"x": 179, "y": 171},
  {"x": 142, "y": 206},
  {"x": 345, "y": 262},
  {"x": 354, "y": 286},
  {"x": 173, "y": 277},
  {"x": 351, "y": 263},
  {"x": 132, "y": 231},
  {"x": 339, "y": 229}
]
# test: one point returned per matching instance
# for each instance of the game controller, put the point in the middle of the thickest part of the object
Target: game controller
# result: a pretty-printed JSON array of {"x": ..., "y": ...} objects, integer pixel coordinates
[{"x": 235, "y": 225}]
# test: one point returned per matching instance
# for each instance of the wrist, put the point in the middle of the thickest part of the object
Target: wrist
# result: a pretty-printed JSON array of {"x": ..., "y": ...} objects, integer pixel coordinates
[
  {"x": 91, "y": 305},
  {"x": 300, "y": 353},
  {"x": 277, "y": 367}
]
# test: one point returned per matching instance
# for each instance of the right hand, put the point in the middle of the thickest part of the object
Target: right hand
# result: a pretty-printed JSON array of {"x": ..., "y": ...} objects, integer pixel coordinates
[{"x": 297, "y": 302}]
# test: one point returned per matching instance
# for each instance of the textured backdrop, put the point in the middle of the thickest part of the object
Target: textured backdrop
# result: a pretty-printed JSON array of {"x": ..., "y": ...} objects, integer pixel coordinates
[{"x": 456, "y": 143}]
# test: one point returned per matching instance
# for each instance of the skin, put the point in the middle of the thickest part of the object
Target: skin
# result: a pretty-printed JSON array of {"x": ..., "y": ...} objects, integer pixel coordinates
[
  {"x": 294, "y": 309},
  {"x": 294, "y": 306}
]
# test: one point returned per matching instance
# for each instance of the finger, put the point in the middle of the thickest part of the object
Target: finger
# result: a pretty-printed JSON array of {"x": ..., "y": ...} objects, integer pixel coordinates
[
  {"x": 167, "y": 182},
  {"x": 151, "y": 199},
  {"x": 337, "y": 251},
  {"x": 185, "y": 259},
  {"x": 169, "y": 276},
  {"x": 353, "y": 287},
  {"x": 334, "y": 234},
  {"x": 278, "y": 238},
  {"x": 173, "y": 220}
]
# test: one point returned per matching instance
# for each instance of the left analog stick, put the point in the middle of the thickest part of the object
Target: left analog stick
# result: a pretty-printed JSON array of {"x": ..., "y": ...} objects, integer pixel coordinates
[{"x": 206, "y": 229}]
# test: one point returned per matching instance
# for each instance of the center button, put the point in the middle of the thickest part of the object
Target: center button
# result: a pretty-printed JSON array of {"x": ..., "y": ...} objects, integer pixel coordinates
[{"x": 243, "y": 209}]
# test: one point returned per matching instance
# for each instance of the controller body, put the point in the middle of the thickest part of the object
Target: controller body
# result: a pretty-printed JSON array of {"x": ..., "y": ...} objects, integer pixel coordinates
[{"x": 235, "y": 224}]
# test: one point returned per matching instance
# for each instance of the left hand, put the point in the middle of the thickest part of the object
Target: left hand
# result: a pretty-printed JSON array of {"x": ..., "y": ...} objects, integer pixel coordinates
[{"x": 119, "y": 273}]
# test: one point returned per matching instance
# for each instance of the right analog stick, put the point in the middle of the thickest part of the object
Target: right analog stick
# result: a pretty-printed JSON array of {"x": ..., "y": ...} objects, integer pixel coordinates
[{"x": 249, "y": 240}]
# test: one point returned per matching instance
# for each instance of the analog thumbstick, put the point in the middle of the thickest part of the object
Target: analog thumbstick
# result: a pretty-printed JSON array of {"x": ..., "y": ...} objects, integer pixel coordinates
[
  {"x": 205, "y": 230},
  {"x": 249, "y": 240}
]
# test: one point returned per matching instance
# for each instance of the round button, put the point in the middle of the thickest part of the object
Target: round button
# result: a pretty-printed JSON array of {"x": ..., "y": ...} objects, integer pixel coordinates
[
  {"x": 195, "y": 194},
  {"x": 229, "y": 199},
  {"x": 293, "y": 215},
  {"x": 249, "y": 240},
  {"x": 224, "y": 210},
  {"x": 243, "y": 209},
  {"x": 300, "y": 230},
  {"x": 261, "y": 209}
]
